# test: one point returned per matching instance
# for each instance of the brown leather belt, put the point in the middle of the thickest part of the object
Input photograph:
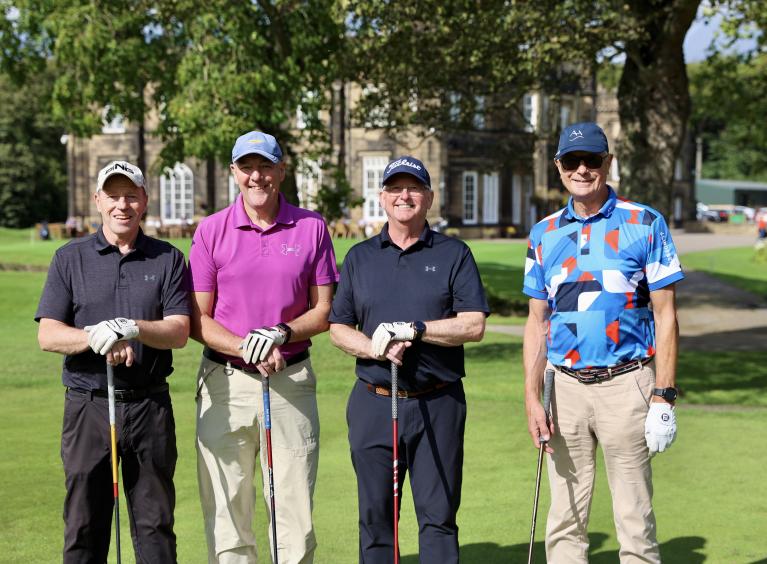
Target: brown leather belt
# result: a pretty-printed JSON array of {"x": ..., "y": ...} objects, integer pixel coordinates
[
  {"x": 593, "y": 375},
  {"x": 210, "y": 354},
  {"x": 381, "y": 391}
]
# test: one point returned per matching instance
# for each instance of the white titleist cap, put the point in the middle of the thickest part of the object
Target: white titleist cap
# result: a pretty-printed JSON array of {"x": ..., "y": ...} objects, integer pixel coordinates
[{"x": 121, "y": 167}]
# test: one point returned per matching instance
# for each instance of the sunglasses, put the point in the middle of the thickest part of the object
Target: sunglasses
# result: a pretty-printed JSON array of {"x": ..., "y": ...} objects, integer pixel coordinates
[{"x": 572, "y": 162}]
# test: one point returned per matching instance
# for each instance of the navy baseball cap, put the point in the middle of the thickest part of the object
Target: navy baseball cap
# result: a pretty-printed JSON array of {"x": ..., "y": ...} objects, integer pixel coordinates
[
  {"x": 257, "y": 143},
  {"x": 407, "y": 165},
  {"x": 586, "y": 136}
]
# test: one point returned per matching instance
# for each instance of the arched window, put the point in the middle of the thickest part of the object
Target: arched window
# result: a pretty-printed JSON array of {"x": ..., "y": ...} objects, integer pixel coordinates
[{"x": 177, "y": 194}]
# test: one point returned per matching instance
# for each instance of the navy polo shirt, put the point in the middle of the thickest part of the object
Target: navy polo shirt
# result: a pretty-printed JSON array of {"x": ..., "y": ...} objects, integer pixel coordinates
[
  {"x": 90, "y": 281},
  {"x": 435, "y": 278}
]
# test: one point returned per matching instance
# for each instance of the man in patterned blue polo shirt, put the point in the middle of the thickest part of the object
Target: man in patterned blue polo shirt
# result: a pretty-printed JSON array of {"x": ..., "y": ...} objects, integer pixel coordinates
[{"x": 601, "y": 275}]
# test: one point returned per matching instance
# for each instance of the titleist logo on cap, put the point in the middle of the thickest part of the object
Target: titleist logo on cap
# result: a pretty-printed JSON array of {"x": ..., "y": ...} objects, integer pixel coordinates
[{"x": 403, "y": 162}]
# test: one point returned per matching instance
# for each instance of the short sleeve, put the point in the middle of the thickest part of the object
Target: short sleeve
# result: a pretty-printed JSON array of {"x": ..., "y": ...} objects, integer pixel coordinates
[
  {"x": 468, "y": 292},
  {"x": 663, "y": 267},
  {"x": 343, "y": 309},
  {"x": 325, "y": 270},
  {"x": 176, "y": 291},
  {"x": 202, "y": 268},
  {"x": 534, "y": 284},
  {"x": 56, "y": 299}
]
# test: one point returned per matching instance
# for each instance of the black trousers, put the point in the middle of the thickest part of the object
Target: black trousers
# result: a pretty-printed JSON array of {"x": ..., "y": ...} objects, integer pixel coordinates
[
  {"x": 431, "y": 430},
  {"x": 146, "y": 438}
]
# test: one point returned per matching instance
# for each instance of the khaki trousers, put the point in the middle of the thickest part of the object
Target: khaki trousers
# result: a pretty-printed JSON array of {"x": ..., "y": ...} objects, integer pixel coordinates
[
  {"x": 229, "y": 436},
  {"x": 611, "y": 413}
]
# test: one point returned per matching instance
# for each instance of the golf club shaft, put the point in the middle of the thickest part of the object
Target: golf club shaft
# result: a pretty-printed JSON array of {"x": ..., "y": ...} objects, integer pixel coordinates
[
  {"x": 113, "y": 437},
  {"x": 395, "y": 456},
  {"x": 548, "y": 384},
  {"x": 268, "y": 431}
]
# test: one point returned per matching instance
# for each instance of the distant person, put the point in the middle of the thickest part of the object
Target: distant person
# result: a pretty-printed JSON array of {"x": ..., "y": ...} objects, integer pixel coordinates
[
  {"x": 593, "y": 270},
  {"x": 263, "y": 272},
  {"x": 762, "y": 226},
  {"x": 45, "y": 232},
  {"x": 121, "y": 296},
  {"x": 411, "y": 296}
]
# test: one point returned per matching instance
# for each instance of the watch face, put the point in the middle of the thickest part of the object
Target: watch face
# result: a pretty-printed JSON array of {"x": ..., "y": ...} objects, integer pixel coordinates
[{"x": 669, "y": 394}]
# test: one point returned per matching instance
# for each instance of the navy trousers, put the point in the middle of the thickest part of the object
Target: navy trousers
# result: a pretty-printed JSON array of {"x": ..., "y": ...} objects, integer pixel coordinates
[
  {"x": 146, "y": 438},
  {"x": 431, "y": 430}
]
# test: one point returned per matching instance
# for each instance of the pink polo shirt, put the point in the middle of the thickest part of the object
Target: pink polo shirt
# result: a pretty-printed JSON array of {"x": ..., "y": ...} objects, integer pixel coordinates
[{"x": 261, "y": 277}]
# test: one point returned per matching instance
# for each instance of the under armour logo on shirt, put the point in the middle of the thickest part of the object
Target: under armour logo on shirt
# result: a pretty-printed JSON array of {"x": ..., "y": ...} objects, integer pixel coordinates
[
  {"x": 150, "y": 277},
  {"x": 288, "y": 250},
  {"x": 431, "y": 268}
]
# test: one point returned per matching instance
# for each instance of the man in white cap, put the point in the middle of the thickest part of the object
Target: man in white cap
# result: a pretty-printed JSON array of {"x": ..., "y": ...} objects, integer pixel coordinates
[{"x": 121, "y": 295}]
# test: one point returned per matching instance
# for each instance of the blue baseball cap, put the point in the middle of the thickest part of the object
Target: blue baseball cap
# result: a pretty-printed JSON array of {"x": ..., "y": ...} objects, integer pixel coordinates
[
  {"x": 407, "y": 165},
  {"x": 585, "y": 136},
  {"x": 257, "y": 143}
]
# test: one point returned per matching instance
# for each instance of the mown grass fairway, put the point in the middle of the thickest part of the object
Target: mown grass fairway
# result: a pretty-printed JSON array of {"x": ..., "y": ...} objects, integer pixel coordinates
[{"x": 709, "y": 488}]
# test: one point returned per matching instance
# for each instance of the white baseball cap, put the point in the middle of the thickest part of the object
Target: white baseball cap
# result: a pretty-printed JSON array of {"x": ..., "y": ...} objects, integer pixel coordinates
[{"x": 121, "y": 167}]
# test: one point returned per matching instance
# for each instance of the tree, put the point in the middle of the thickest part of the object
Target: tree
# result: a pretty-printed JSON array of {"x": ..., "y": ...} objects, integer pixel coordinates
[
  {"x": 421, "y": 55},
  {"x": 33, "y": 179}
]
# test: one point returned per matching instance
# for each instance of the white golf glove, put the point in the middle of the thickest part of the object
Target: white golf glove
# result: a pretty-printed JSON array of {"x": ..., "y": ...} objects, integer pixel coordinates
[
  {"x": 387, "y": 332},
  {"x": 660, "y": 427},
  {"x": 103, "y": 335},
  {"x": 257, "y": 344}
]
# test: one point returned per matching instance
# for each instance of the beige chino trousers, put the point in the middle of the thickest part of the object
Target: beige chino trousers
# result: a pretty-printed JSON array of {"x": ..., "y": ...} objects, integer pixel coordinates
[
  {"x": 611, "y": 413},
  {"x": 230, "y": 435}
]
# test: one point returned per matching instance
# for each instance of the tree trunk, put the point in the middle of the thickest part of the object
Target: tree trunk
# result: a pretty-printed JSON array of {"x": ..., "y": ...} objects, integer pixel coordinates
[
  {"x": 210, "y": 185},
  {"x": 654, "y": 101}
]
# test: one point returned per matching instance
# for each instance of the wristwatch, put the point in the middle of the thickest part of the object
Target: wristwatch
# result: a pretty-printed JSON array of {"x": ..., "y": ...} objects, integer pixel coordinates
[
  {"x": 668, "y": 394},
  {"x": 285, "y": 328},
  {"x": 420, "y": 328}
]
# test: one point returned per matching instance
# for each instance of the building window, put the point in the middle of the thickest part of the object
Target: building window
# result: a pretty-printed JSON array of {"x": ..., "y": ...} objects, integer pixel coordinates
[
  {"x": 372, "y": 175},
  {"x": 516, "y": 200},
  {"x": 564, "y": 116},
  {"x": 470, "y": 197},
  {"x": 455, "y": 107},
  {"x": 308, "y": 182},
  {"x": 177, "y": 194},
  {"x": 233, "y": 189},
  {"x": 678, "y": 170},
  {"x": 111, "y": 123},
  {"x": 479, "y": 112},
  {"x": 530, "y": 111},
  {"x": 490, "y": 198}
]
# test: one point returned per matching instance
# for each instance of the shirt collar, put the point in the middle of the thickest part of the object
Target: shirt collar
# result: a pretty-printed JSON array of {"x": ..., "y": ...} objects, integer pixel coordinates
[
  {"x": 425, "y": 239},
  {"x": 102, "y": 244},
  {"x": 284, "y": 214},
  {"x": 606, "y": 210}
]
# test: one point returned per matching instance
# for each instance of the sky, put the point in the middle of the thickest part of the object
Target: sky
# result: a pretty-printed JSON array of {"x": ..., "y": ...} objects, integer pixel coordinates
[{"x": 701, "y": 33}]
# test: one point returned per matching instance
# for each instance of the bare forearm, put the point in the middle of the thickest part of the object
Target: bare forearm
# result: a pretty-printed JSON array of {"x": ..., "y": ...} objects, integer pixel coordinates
[
  {"x": 171, "y": 332},
  {"x": 465, "y": 327},
  {"x": 211, "y": 333},
  {"x": 534, "y": 351},
  {"x": 311, "y": 323},
  {"x": 55, "y": 336},
  {"x": 667, "y": 343},
  {"x": 349, "y": 340}
]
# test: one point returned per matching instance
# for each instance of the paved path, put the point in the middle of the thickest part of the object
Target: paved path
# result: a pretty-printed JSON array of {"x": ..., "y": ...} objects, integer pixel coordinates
[{"x": 713, "y": 315}]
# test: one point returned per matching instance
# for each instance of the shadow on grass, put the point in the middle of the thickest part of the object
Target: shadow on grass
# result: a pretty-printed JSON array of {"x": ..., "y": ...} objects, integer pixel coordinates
[
  {"x": 741, "y": 340},
  {"x": 681, "y": 549},
  {"x": 491, "y": 352},
  {"x": 702, "y": 372}
]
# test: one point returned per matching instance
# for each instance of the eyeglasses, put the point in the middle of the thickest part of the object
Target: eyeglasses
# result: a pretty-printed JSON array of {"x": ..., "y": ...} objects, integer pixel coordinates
[
  {"x": 572, "y": 162},
  {"x": 397, "y": 190}
]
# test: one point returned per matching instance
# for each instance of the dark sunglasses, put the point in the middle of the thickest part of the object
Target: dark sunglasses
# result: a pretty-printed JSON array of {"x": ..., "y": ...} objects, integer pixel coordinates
[{"x": 572, "y": 162}]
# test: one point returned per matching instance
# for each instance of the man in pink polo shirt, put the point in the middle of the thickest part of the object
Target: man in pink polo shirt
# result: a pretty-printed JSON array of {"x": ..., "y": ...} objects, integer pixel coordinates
[{"x": 262, "y": 273}]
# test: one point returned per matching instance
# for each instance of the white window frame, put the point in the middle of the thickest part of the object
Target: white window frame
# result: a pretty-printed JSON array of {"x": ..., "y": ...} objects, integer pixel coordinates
[
  {"x": 470, "y": 185},
  {"x": 479, "y": 112},
  {"x": 233, "y": 191},
  {"x": 113, "y": 126},
  {"x": 490, "y": 184},
  {"x": 516, "y": 200},
  {"x": 308, "y": 182},
  {"x": 530, "y": 110},
  {"x": 177, "y": 195},
  {"x": 372, "y": 175},
  {"x": 615, "y": 173}
]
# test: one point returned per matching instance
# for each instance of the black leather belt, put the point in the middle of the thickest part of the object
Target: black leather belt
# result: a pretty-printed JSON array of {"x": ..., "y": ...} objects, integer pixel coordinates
[
  {"x": 382, "y": 391},
  {"x": 593, "y": 375},
  {"x": 210, "y": 354},
  {"x": 124, "y": 395}
]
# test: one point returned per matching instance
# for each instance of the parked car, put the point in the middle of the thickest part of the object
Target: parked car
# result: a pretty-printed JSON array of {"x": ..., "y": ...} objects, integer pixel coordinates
[{"x": 709, "y": 213}]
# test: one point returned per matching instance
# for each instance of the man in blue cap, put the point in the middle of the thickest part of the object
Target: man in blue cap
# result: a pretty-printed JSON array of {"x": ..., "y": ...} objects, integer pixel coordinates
[
  {"x": 410, "y": 296},
  {"x": 600, "y": 274},
  {"x": 262, "y": 274}
]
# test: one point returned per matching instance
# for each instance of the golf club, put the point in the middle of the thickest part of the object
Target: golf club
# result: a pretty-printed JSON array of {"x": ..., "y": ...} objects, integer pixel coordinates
[
  {"x": 268, "y": 430},
  {"x": 395, "y": 456},
  {"x": 113, "y": 433},
  {"x": 548, "y": 384}
]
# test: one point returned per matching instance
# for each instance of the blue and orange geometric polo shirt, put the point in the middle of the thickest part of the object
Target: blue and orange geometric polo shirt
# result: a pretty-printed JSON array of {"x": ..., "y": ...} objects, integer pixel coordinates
[{"x": 597, "y": 274}]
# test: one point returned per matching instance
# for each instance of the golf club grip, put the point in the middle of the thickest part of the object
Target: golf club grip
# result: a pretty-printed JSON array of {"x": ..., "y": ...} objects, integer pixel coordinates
[
  {"x": 111, "y": 392},
  {"x": 394, "y": 389},
  {"x": 548, "y": 384},
  {"x": 267, "y": 404}
]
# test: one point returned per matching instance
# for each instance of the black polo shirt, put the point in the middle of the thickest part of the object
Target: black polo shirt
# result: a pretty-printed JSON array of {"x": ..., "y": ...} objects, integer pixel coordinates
[
  {"x": 435, "y": 278},
  {"x": 90, "y": 281}
]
